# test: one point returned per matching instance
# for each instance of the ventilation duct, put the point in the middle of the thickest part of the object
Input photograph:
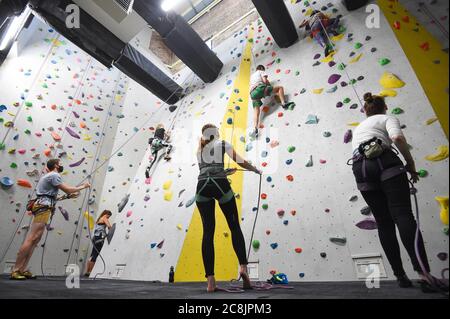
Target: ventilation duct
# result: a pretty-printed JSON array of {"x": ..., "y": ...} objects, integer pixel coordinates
[
  {"x": 179, "y": 37},
  {"x": 104, "y": 46},
  {"x": 116, "y": 9}
]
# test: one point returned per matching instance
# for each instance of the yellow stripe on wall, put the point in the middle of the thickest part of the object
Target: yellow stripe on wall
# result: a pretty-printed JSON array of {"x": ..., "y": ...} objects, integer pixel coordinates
[
  {"x": 433, "y": 77},
  {"x": 190, "y": 263}
]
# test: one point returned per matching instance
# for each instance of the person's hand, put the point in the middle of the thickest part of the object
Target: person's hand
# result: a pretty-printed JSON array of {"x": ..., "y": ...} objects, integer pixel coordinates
[
  {"x": 411, "y": 168},
  {"x": 86, "y": 185},
  {"x": 257, "y": 171}
]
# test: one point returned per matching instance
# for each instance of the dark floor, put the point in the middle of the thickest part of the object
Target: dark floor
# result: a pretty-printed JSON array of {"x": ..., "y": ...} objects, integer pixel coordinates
[{"x": 110, "y": 289}]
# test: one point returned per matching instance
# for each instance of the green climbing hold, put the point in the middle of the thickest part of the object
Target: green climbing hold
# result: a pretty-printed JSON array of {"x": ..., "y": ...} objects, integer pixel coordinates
[
  {"x": 28, "y": 104},
  {"x": 250, "y": 40},
  {"x": 265, "y": 206},
  {"x": 342, "y": 29},
  {"x": 445, "y": 231},
  {"x": 353, "y": 82},
  {"x": 27, "y": 131},
  {"x": 358, "y": 45},
  {"x": 278, "y": 60},
  {"x": 256, "y": 244},
  {"x": 347, "y": 100},
  {"x": 291, "y": 149},
  {"x": 384, "y": 61},
  {"x": 45, "y": 86},
  {"x": 13, "y": 165},
  {"x": 297, "y": 73},
  {"x": 423, "y": 173},
  {"x": 341, "y": 66},
  {"x": 397, "y": 111},
  {"x": 29, "y": 119},
  {"x": 2, "y": 146}
]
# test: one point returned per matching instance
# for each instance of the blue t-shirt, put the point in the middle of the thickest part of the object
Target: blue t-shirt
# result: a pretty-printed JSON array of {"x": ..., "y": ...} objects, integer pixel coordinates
[{"x": 48, "y": 187}]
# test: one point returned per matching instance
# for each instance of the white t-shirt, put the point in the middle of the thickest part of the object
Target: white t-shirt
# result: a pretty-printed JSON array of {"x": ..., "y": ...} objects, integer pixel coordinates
[
  {"x": 383, "y": 127},
  {"x": 257, "y": 79}
]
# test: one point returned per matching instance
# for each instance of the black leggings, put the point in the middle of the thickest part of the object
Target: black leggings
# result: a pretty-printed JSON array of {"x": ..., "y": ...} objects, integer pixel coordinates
[
  {"x": 207, "y": 213},
  {"x": 391, "y": 205},
  {"x": 98, "y": 245}
]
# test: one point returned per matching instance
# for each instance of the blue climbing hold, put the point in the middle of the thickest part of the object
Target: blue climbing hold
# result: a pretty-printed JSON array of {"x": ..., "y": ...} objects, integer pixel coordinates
[
  {"x": 274, "y": 245},
  {"x": 230, "y": 121},
  {"x": 289, "y": 162}
]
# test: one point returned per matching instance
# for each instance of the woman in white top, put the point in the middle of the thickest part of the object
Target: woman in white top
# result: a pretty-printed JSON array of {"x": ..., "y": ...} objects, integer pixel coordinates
[{"x": 383, "y": 181}]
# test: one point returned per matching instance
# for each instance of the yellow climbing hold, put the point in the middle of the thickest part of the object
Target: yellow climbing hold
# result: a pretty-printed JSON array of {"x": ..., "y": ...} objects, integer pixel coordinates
[
  {"x": 443, "y": 201},
  {"x": 431, "y": 121},
  {"x": 391, "y": 81},
  {"x": 338, "y": 37},
  {"x": 167, "y": 185},
  {"x": 180, "y": 227},
  {"x": 329, "y": 58},
  {"x": 90, "y": 220},
  {"x": 87, "y": 137},
  {"x": 308, "y": 12},
  {"x": 356, "y": 59},
  {"x": 388, "y": 93},
  {"x": 442, "y": 154},
  {"x": 168, "y": 196},
  {"x": 318, "y": 91},
  {"x": 353, "y": 124}
]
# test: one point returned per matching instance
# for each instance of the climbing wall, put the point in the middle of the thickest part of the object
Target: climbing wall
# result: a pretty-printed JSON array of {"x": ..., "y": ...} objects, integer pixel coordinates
[
  {"x": 312, "y": 219},
  {"x": 56, "y": 101}
]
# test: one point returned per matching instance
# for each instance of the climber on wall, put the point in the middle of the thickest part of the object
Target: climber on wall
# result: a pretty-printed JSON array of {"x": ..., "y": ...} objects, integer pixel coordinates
[
  {"x": 383, "y": 182},
  {"x": 43, "y": 208},
  {"x": 158, "y": 142},
  {"x": 316, "y": 24},
  {"x": 99, "y": 238},
  {"x": 260, "y": 88},
  {"x": 213, "y": 185}
]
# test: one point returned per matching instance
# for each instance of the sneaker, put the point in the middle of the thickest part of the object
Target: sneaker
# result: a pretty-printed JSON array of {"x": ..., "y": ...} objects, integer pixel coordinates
[
  {"x": 404, "y": 282},
  {"x": 17, "y": 276},
  {"x": 254, "y": 134},
  {"x": 27, "y": 274}
]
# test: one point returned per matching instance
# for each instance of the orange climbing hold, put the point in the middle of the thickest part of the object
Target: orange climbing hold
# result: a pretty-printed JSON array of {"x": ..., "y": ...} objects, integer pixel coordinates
[
  {"x": 83, "y": 125},
  {"x": 48, "y": 152},
  {"x": 53, "y": 107},
  {"x": 266, "y": 109},
  {"x": 24, "y": 183},
  {"x": 293, "y": 212},
  {"x": 405, "y": 19}
]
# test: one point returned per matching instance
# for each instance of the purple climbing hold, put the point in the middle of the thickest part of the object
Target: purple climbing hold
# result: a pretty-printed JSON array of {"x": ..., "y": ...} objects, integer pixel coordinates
[
  {"x": 160, "y": 245},
  {"x": 76, "y": 114},
  {"x": 76, "y": 164},
  {"x": 334, "y": 78},
  {"x": 317, "y": 56},
  {"x": 72, "y": 133},
  {"x": 442, "y": 256},
  {"x": 331, "y": 64},
  {"x": 339, "y": 105},
  {"x": 64, "y": 213},
  {"x": 348, "y": 137},
  {"x": 99, "y": 109},
  {"x": 344, "y": 84},
  {"x": 367, "y": 224}
]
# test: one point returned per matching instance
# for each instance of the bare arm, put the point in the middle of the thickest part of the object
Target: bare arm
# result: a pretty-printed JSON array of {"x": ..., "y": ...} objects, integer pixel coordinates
[
  {"x": 402, "y": 145},
  {"x": 106, "y": 222},
  {"x": 72, "y": 190},
  {"x": 241, "y": 161}
]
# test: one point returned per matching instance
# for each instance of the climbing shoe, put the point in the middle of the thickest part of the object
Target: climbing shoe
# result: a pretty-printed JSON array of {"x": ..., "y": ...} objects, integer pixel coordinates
[
  {"x": 254, "y": 134},
  {"x": 17, "y": 276},
  {"x": 28, "y": 275},
  {"x": 404, "y": 282}
]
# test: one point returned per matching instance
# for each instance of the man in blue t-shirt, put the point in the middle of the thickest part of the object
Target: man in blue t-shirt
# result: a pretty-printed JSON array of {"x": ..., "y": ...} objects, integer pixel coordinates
[{"x": 47, "y": 191}]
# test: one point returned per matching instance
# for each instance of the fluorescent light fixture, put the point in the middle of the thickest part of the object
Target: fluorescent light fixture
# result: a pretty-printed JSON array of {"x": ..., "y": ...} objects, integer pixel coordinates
[
  {"x": 14, "y": 28},
  {"x": 168, "y": 5}
]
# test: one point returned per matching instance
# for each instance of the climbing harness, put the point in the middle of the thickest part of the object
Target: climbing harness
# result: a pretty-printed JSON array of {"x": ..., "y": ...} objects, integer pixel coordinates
[
  {"x": 370, "y": 151},
  {"x": 226, "y": 197}
]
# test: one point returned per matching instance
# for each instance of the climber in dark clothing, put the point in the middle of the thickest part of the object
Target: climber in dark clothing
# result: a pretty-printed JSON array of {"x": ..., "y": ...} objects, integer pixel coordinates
[
  {"x": 213, "y": 185},
  {"x": 382, "y": 179},
  {"x": 158, "y": 142}
]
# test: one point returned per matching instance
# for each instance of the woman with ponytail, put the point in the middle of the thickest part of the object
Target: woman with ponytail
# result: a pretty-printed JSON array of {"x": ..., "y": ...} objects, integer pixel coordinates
[
  {"x": 213, "y": 185},
  {"x": 382, "y": 179}
]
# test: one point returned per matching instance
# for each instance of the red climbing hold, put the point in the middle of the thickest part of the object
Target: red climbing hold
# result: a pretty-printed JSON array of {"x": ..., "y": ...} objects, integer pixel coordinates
[
  {"x": 48, "y": 152},
  {"x": 263, "y": 196},
  {"x": 273, "y": 272},
  {"x": 298, "y": 250},
  {"x": 405, "y": 19},
  {"x": 280, "y": 114},
  {"x": 24, "y": 183},
  {"x": 425, "y": 46},
  {"x": 290, "y": 178},
  {"x": 278, "y": 71},
  {"x": 264, "y": 164},
  {"x": 397, "y": 25},
  {"x": 293, "y": 212}
]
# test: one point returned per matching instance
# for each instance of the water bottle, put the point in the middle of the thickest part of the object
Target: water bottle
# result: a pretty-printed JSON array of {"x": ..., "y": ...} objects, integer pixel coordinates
[{"x": 171, "y": 275}]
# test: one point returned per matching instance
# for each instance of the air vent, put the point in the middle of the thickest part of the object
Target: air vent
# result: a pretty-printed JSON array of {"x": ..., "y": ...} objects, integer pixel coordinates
[{"x": 116, "y": 9}]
